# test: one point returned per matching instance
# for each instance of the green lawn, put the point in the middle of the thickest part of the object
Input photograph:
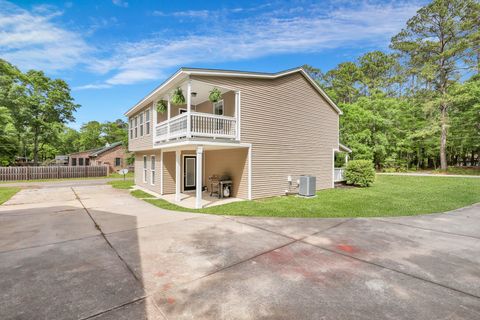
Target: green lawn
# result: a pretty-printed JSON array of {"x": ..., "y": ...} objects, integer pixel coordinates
[
  {"x": 122, "y": 184},
  {"x": 7, "y": 193},
  {"x": 460, "y": 170},
  {"x": 388, "y": 196}
]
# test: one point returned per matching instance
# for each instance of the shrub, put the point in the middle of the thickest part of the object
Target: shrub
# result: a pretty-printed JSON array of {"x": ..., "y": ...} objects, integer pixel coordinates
[{"x": 360, "y": 173}]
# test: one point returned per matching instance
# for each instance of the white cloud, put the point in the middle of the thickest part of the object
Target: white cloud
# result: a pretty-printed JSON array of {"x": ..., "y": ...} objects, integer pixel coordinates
[
  {"x": 120, "y": 3},
  {"x": 32, "y": 40},
  {"x": 298, "y": 30}
]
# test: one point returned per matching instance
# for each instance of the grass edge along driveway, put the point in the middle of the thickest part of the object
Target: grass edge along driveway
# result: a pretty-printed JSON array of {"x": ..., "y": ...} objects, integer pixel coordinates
[
  {"x": 388, "y": 196},
  {"x": 7, "y": 193}
]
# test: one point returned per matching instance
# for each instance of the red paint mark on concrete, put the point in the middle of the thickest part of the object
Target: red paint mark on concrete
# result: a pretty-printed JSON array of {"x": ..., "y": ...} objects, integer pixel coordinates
[
  {"x": 347, "y": 248},
  {"x": 170, "y": 300},
  {"x": 159, "y": 274},
  {"x": 167, "y": 286}
]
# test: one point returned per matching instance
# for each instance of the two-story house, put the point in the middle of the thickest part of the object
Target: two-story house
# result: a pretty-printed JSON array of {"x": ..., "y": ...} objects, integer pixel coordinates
[{"x": 265, "y": 129}]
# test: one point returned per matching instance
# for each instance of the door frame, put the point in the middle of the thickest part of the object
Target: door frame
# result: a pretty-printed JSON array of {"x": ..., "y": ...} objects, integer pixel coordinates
[{"x": 184, "y": 171}]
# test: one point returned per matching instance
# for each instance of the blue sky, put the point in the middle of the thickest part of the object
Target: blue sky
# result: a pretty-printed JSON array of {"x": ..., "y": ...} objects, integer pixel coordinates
[{"x": 113, "y": 52}]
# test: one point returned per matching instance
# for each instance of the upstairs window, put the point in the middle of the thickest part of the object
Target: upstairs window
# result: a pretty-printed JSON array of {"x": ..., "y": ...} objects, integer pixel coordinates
[
  {"x": 147, "y": 121},
  {"x": 131, "y": 128},
  {"x": 141, "y": 124},
  {"x": 136, "y": 126}
]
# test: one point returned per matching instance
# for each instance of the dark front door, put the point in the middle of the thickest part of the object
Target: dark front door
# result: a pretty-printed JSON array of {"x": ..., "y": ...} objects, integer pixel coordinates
[{"x": 189, "y": 173}]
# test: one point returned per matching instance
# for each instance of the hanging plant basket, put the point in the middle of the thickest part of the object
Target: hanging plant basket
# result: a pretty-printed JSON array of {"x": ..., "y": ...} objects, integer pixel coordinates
[
  {"x": 162, "y": 106},
  {"x": 215, "y": 95},
  {"x": 178, "y": 97}
]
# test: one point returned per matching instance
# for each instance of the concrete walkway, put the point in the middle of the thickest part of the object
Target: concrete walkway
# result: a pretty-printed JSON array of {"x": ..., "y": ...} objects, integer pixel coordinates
[{"x": 93, "y": 252}]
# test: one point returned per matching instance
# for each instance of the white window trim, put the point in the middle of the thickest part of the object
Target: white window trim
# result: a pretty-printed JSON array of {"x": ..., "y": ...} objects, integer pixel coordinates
[
  {"x": 145, "y": 168},
  {"x": 147, "y": 122},
  {"x": 135, "y": 122},
  {"x": 214, "y": 104},
  {"x": 141, "y": 124},
  {"x": 153, "y": 159}
]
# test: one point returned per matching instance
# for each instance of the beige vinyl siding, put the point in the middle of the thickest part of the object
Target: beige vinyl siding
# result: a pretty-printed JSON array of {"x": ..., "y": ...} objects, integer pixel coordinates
[
  {"x": 228, "y": 105},
  {"x": 232, "y": 162},
  {"x": 144, "y": 142},
  {"x": 292, "y": 129},
  {"x": 220, "y": 162}
]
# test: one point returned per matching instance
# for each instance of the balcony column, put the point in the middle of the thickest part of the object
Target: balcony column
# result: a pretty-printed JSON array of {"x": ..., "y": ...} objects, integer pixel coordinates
[
  {"x": 177, "y": 175},
  {"x": 237, "y": 115},
  {"x": 199, "y": 178},
  {"x": 189, "y": 108},
  {"x": 154, "y": 122},
  {"x": 169, "y": 112}
]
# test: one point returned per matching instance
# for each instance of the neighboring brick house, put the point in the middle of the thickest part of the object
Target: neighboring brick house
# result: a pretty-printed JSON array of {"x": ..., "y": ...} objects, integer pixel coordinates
[{"x": 114, "y": 155}]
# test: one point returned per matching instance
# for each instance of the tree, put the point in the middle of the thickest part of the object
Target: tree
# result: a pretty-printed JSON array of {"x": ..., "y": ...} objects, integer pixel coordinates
[
  {"x": 378, "y": 72},
  {"x": 435, "y": 40},
  {"x": 8, "y": 137},
  {"x": 341, "y": 83},
  {"x": 43, "y": 103},
  {"x": 115, "y": 131},
  {"x": 91, "y": 135}
]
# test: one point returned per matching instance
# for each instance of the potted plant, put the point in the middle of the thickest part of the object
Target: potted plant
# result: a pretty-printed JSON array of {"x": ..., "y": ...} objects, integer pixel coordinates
[
  {"x": 215, "y": 95},
  {"x": 177, "y": 97},
  {"x": 162, "y": 106}
]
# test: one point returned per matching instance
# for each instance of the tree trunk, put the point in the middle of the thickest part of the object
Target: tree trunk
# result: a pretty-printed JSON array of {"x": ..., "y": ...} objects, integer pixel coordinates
[
  {"x": 35, "y": 148},
  {"x": 443, "y": 138}
]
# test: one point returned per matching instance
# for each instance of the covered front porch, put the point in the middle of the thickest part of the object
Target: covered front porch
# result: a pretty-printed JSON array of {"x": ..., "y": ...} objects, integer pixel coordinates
[{"x": 191, "y": 171}]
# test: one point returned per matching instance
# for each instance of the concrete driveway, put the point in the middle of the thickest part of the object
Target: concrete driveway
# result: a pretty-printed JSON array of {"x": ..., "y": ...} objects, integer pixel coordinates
[{"x": 93, "y": 252}]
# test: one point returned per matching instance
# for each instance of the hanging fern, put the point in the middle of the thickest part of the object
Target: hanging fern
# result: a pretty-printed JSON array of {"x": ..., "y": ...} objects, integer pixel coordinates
[
  {"x": 177, "y": 97},
  {"x": 162, "y": 106},
  {"x": 215, "y": 95}
]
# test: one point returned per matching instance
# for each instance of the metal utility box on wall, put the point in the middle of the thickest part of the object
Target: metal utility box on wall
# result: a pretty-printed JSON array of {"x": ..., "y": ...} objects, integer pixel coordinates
[{"x": 307, "y": 186}]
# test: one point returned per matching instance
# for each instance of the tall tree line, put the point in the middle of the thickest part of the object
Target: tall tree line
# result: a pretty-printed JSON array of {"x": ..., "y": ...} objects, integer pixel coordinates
[
  {"x": 34, "y": 112},
  {"x": 419, "y": 104}
]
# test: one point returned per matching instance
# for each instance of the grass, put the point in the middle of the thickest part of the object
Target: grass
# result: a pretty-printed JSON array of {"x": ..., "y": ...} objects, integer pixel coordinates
[
  {"x": 388, "y": 196},
  {"x": 122, "y": 184},
  {"x": 7, "y": 193},
  {"x": 141, "y": 194},
  {"x": 473, "y": 171}
]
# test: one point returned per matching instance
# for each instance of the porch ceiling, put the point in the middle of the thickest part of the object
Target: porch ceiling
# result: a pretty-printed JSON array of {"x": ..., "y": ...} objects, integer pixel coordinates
[
  {"x": 201, "y": 89},
  {"x": 207, "y": 145}
]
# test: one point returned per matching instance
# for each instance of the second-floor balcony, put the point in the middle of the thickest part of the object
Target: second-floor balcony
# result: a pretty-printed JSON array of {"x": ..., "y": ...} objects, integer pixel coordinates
[{"x": 197, "y": 124}]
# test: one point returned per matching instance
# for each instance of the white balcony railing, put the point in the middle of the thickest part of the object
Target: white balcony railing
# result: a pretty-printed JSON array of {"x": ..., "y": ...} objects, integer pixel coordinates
[
  {"x": 201, "y": 125},
  {"x": 338, "y": 174}
]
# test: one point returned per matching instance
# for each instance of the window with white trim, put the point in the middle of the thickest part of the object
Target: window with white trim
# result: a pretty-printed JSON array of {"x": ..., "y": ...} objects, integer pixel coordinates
[
  {"x": 131, "y": 128},
  {"x": 152, "y": 170},
  {"x": 136, "y": 126},
  {"x": 147, "y": 121},
  {"x": 144, "y": 169},
  {"x": 141, "y": 124}
]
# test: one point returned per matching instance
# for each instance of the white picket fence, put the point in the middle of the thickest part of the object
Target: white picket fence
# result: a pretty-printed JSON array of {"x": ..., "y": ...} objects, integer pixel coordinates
[{"x": 52, "y": 172}]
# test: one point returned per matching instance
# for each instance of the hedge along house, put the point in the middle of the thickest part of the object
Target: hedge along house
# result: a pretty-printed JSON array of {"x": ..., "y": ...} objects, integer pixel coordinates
[{"x": 264, "y": 128}]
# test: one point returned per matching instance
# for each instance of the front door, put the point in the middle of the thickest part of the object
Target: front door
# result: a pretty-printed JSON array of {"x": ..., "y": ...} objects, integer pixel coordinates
[{"x": 189, "y": 174}]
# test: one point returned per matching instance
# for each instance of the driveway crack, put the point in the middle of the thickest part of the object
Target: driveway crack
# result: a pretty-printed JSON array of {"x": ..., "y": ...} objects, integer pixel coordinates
[{"x": 97, "y": 226}]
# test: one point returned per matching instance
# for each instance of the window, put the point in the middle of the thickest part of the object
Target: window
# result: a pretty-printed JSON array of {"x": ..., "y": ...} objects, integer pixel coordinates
[
  {"x": 87, "y": 161},
  {"x": 131, "y": 128},
  {"x": 147, "y": 121},
  {"x": 141, "y": 124},
  {"x": 145, "y": 169},
  {"x": 74, "y": 162},
  {"x": 136, "y": 126},
  {"x": 152, "y": 170},
  {"x": 118, "y": 162},
  {"x": 218, "y": 108},
  {"x": 80, "y": 161}
]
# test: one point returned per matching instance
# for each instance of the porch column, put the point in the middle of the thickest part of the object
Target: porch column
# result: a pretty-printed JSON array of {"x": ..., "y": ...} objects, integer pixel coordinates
[
  {"x": 199, "y": 178},
  {"x": 161, "y": 172},
  {"x": 168, "y": 117},
  {"x": 189, "y": 108},
  {"x": 177, "y": 175},
  {"x": 346, "y": 159}
]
